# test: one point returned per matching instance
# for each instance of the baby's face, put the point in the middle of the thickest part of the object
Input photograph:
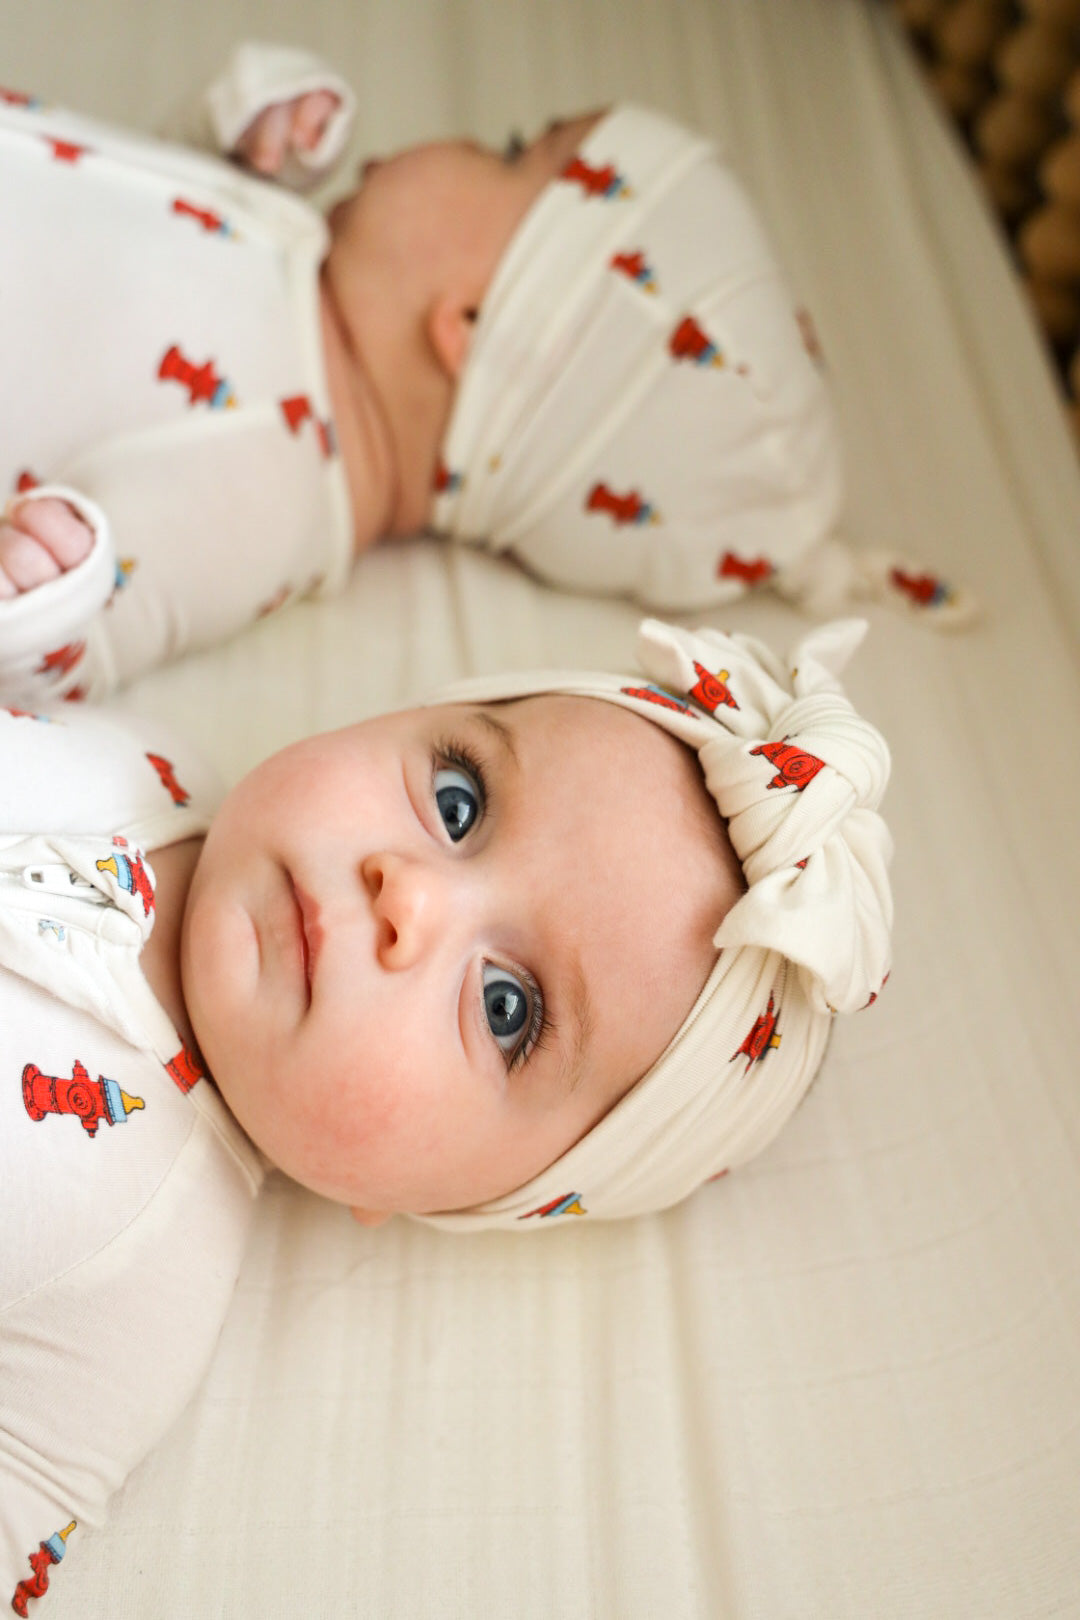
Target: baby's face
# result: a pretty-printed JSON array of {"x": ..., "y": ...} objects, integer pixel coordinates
[
  {"x": 424, "y": 955},
  {"x": 434, "y": 216}
]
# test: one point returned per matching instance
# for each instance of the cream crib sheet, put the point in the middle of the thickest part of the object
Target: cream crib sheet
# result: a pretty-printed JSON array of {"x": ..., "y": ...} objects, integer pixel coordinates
[{"x": 846, "y": 1381}]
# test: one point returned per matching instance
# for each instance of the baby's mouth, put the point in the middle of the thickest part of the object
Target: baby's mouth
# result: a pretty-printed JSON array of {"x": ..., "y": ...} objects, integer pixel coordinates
[{"x": 310, "y": 934}]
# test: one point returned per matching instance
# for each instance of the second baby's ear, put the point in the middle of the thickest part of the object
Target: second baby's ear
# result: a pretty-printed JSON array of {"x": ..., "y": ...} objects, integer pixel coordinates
[{"x": 450, "y": 323}]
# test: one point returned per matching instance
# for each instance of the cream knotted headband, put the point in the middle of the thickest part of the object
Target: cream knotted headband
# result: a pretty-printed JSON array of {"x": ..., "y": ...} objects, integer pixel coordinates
[
  {"x": 797, "y": 776},
  {"x": 642, "y": 411}
]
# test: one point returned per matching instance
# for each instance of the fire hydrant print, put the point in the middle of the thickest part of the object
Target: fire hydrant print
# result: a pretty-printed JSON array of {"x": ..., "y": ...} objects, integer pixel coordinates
[{"x": 91, "y": 1101}]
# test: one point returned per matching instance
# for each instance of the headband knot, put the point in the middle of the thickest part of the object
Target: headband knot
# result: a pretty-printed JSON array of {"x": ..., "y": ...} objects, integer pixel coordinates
[{"x": 798, "y": 776}]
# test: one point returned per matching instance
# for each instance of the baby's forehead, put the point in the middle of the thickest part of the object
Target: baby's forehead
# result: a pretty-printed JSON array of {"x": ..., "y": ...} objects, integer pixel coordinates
[{"x": 613, "y": 751}]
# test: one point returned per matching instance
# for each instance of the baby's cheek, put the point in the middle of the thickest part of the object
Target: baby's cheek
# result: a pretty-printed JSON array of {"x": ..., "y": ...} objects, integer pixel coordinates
[{"x": 378, "y": 1118}]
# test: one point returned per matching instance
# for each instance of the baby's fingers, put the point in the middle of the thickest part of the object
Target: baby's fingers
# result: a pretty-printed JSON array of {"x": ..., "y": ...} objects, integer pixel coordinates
[
  {"x": 265, "y": 143},
  {"x": 311, "y": 114},
  {"x": 24, "y": 562},
  {"x": 57, "y": 526},
  {"x": 38, "y": 541}
]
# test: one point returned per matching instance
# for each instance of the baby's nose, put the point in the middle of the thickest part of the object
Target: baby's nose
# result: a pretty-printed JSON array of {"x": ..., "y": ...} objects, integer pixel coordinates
[{"x": 408, "y": 901}]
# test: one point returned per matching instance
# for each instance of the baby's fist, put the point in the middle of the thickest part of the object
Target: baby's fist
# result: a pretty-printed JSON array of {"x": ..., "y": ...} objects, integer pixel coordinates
[
  {"x": 284, "y": 128},
  {"x": 40, "y": 540}
]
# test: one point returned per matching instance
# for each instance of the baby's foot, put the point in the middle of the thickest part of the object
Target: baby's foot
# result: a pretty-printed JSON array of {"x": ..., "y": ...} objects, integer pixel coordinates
[{"x": 39, "y": 540}]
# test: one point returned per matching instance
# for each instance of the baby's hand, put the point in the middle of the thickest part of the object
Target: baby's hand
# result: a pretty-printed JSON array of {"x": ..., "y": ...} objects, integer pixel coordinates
[
  {"x": 284, "y": 128},
  {"x": 40, "y": 540}
]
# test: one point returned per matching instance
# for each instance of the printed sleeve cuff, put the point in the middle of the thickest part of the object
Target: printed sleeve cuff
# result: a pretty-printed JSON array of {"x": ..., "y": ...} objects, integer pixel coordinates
[
  {"x": 258, "y": 76},
  {"x": 56, "y": 612}
]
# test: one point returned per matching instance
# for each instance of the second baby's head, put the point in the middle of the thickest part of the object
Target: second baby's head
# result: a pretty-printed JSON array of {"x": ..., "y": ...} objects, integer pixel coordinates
[
  {"x": 582, "y": 349},
  {"x": 413, "y": 250},
  {"x": 425, "y": 954},
  {"x": 442, "y": 961}
]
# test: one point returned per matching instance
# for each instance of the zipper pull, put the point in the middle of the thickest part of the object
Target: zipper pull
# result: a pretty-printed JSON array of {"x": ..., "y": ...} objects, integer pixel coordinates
[{"x": 62, "y": 880}]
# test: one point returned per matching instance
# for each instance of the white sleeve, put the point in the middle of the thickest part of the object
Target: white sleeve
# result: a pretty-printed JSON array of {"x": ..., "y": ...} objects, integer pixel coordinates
[
  {"x": 258, "y": 76},
  {"x": 39, "y": 626},
  {"x": 97, "y": 1364},
  {"x": 78, "y": 769}
]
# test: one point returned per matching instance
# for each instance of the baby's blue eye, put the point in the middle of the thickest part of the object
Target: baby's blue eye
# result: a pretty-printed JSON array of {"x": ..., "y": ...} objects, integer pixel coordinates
[
  {"x": 507, "y": 1006},
  {"x": 459, "y": 800}
]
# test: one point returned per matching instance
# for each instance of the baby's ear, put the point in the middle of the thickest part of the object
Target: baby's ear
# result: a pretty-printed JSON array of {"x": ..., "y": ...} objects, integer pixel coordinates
[
  {"x": 450, "y": 322},
  {"x": 369, "y": 1217}
]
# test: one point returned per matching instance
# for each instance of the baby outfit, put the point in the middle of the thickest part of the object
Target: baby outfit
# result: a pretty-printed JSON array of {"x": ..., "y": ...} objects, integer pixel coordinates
[
  {"x": 163, "y": 356},
  {"x": 643, "y": 410},
  {"x": 126, "y": 1188}
]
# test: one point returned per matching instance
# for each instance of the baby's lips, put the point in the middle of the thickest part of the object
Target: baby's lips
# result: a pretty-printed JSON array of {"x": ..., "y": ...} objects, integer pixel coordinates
[{"x": 311, "y": 933}]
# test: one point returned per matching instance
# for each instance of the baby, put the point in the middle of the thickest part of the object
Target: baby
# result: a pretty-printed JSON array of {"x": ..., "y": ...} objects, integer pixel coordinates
[
  {"x": 580, "y": 350},
  {"x": 552, "y": 947}
]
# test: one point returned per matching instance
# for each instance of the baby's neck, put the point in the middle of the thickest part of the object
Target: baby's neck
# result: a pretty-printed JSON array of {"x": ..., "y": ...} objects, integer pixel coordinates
[
  {"x": 363, "y": 436},
  {"x": 173, "y": 868}
]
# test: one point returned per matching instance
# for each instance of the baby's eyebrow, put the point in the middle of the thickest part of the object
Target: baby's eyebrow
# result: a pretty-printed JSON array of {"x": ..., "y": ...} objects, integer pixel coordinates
[
  {"x": 572, "y": 1067},
  {"x": 502, "y": 734}
]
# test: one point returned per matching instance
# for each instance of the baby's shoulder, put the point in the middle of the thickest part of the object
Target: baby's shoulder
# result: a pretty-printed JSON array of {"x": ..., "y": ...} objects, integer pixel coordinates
[
  {"x": 91, "y": 1129},
  {"x": 75, "y": 769}
]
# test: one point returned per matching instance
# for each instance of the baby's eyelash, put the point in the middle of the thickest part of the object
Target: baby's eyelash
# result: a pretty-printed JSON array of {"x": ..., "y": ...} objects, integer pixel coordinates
[
  {"x": 452, "y": 752},
  {"x": 541, "y": 1029},
  {"x": 514, "y": 147}
]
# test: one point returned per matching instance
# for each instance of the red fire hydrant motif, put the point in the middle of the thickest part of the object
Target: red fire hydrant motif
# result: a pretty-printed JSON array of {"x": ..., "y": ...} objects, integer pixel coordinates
[
  {"x": 91, "y": 1101},
  {"x": 762, "y": 1037},
  {"x": 446, "y": 482},
  {"x": 298, "y": 409},
  {"x": 62, "y": 659},
  {"x": 130, "y": 874},
  {"x": 48, "y": 1554},
  {"x": 712, "y": 690},
  {"x": 690, "y": 342},
  {"x": 925, "y": 590},
  {"x": 184, "y": 1069},
  {"x": 203, "y": 383},
  {"x": 754, "y": 572},
  {"x": 628, "y": 508},
  {"x": 568, "y": 1204},
  {"x": 204, "y": 216},
  {"x": 603, "y": 182},
  {"x": 794, "y": 766},
  {"x": 654, "y": 694},
  {"x": 65, "y": 151},
  {"x": 637, "y": 268},
  {"x": 19, "y": 98},
  {"x": 167, "y": 773}
]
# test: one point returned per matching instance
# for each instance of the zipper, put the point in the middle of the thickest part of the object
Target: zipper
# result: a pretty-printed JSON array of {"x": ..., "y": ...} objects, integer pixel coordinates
[{"x": 59, "y": 879}]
